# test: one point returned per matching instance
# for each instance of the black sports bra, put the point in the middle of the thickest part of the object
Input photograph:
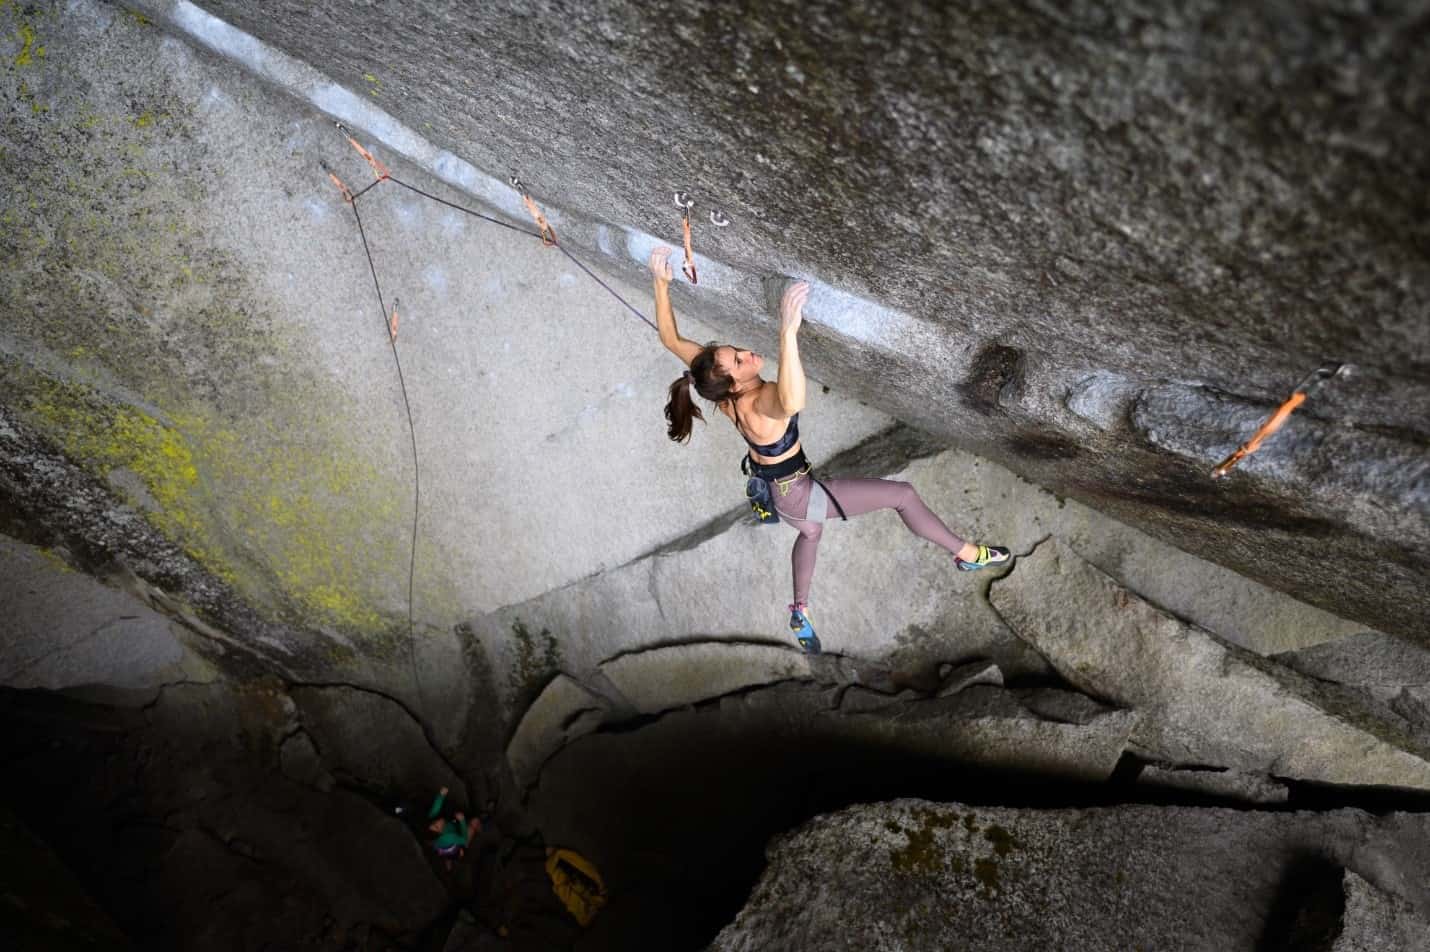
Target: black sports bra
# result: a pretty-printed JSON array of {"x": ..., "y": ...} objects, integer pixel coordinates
[{"x": 790, "y": 438}]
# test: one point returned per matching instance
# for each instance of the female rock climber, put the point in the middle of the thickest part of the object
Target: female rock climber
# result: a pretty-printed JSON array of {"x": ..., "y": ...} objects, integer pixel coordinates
[{"x": 766, "y": 414}]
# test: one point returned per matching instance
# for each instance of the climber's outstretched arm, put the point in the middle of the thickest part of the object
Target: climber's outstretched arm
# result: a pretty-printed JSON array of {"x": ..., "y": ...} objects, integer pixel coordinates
[
  {"x": 686, "y": 350},
  {"x": 786, "y": 398}
]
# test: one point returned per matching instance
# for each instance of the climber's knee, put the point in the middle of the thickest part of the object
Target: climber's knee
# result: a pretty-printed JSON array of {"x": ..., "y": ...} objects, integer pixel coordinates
[{"x": 904, "y": 494}]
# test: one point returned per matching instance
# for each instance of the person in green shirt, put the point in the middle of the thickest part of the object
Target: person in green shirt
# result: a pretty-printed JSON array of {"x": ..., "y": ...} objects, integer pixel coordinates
[{"x": 453, "y": 836}]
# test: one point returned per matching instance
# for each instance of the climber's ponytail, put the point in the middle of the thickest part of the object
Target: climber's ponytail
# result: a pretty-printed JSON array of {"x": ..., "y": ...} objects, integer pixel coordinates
[
  {"x": 681, "y": 411},
  {"x": 705, "y": 379}
]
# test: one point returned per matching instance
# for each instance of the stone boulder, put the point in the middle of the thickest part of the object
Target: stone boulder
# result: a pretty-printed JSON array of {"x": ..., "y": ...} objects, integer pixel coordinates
[
  {"x": 66, "y": 630},
  {"x": 917, "y": 875},
  {"x": 563, "y": 711},
  {"x": 662, "y": 678},
  {"x": 969, "y": 674},
  {"x": 1389, "y": 671},
  {"x": 1375, "y": 921},
  {"x": 986, "y": 727},
  {"x": 1203, "y": 701},
  {"x": 370, "y": 740}
]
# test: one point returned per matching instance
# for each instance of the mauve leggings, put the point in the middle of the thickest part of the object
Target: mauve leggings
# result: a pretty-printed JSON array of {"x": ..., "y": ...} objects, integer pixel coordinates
[{"x": 856, "y": 496}]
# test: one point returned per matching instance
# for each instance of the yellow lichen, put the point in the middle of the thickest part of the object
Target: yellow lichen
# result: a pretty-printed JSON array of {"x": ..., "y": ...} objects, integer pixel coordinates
[
  {"x": 307, "y": 515},
  {"x": 30, "y": 51},
  {"x": 236, "y": 455},
  {"x": 55, "y": 560}
]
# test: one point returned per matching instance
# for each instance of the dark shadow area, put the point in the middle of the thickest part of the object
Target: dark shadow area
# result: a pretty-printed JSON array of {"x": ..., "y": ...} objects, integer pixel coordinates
[
  {"x": 1306, "y": 913},
  {"x": 678, "y": 813},
  {"x": 1325, "y": 796},
  {"x": 175, "y": 831}
]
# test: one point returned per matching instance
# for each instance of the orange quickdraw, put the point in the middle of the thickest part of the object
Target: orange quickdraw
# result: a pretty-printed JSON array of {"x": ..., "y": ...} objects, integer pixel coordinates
[
  {"x": 378, "y": 168},
  {"x": 684, "y": 203},
  {"x": 343, "y": 189},
  {"x": 548, "y": 234},
  {"x": 1274, "y": 422},
  {"x": 392, "y": 321}
]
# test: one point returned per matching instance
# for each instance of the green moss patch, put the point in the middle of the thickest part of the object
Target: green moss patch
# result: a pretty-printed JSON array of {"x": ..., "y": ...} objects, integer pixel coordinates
[{"x": 311, "y": 531}]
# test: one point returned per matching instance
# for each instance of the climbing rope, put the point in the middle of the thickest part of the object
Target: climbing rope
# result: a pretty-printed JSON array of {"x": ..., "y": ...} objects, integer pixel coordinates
[
  {"x": 547, "y": 236},
  {"x": 390, "y": 326}
]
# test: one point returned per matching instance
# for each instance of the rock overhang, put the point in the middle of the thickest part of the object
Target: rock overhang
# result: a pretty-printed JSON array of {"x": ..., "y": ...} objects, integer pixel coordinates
[{"x": 1149, "y": 203}]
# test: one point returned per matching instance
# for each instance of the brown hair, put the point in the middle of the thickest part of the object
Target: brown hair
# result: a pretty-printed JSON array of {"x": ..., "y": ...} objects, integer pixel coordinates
[{"x": 708, "y": 380}]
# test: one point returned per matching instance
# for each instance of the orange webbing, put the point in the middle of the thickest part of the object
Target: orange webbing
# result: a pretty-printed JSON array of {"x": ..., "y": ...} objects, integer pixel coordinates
[
  {"x": 1266, "y": 429},
  {"x": 347, "y": 194},
  {"x": 378, "y": 168},
  {"x": 689, "y": 266},
  {"x": 392, "y": 321},
  {"x": 548, "y": 234}
]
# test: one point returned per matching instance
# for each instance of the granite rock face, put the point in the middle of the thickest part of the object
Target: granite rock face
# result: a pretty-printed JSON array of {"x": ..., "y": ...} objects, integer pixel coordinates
[
  {"x": 368, "y": 739},
  {"x": 663, "y": 678},
  {"x": 917, "y": 875},
  {"x": 1383, "y": 671},
  {"x": 1375, "y": 921},
  {"x": 563, "y": 711},
  {"x": 1096, "y": 245},
  {"x": 194, "y": 828},
  {"x": 67, "y": 630},
  {"x": 1202, "y": 700},
  {"x": 1231, "y": 784}
]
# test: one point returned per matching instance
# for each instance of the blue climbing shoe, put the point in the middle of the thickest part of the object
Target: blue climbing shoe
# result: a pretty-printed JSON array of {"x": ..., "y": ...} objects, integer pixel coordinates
[
  {"x": 987, "y": 555},
  {"x": 803, "y": 630}
]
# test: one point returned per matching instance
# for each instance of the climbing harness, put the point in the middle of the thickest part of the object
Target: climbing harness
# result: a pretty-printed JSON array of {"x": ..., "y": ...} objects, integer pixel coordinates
[
  {"x": 548, "y": 235},
  {"x": 763, "y": 482},
  {"x": 685, "y": 203},
  {"x": 1273, "y": 423}
]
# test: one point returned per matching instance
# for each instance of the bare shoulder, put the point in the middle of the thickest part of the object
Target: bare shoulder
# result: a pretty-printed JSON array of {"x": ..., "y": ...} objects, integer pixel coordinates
[{"x": 767, "y": 402}]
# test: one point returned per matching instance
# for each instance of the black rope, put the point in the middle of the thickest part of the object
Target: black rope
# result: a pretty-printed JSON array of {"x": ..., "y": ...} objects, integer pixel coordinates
[
  {"x": 607, "y": 287},
  {"x": 474, "y": 214},
  {"x": 520, "y": 230},
  {"x": 366, "y": 188},
  {"x": 416, "y": 472},
  {"x": 407, "y": 403}
]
